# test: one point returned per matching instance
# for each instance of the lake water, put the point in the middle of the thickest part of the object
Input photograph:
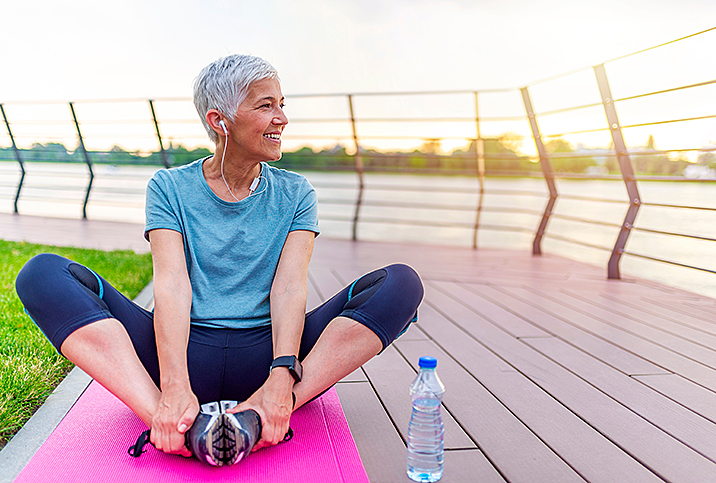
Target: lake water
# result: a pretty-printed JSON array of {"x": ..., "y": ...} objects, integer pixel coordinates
[{"x": 118, "y": 195}]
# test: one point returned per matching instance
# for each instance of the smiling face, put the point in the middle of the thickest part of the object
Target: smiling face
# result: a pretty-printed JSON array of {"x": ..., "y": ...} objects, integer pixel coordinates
[{"x": 255, "y": 134}]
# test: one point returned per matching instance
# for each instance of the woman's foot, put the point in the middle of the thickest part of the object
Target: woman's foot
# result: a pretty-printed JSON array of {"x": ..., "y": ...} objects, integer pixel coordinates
[{"x": 220, "y": 438}]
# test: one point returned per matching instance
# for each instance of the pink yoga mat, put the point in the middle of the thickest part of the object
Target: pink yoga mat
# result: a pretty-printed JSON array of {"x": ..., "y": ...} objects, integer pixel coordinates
[{"x": 90, "y": 445}]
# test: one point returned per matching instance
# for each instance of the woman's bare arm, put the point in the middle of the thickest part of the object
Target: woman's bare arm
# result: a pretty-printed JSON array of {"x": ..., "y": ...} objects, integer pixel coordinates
[{"x": 178, "y": 406}]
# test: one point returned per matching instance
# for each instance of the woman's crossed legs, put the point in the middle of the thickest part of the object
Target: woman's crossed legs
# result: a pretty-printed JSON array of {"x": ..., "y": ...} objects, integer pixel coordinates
[{"x": 112, "y": 338}]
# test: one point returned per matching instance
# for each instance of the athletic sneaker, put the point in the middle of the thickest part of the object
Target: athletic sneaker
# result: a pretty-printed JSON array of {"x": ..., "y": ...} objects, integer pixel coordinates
[
  {"x": 242, "y": 431},
  {"x": 205, "y": 432},
  {"x": 217, "y": 437},
  {"x": 221, "y": 438}
]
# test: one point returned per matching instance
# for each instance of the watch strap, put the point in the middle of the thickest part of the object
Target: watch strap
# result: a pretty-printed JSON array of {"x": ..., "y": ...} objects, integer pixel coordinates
[{"x": 290, "y": 362}]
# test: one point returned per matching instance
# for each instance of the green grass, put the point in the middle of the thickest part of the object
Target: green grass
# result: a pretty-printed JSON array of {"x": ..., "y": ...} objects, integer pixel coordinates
[{"x": 30, "y": 368}]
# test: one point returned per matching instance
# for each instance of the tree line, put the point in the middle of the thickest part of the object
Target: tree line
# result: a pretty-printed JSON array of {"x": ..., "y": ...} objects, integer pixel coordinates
[{"x": 501, "y": 156}]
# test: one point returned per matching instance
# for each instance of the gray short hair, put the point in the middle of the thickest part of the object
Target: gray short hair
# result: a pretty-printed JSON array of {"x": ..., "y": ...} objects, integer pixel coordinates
[{"x": 224, "y": 84}]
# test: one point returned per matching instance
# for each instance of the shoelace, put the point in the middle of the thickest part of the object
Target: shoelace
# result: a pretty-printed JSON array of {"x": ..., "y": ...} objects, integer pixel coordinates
[{"x": 137, "y": 449}]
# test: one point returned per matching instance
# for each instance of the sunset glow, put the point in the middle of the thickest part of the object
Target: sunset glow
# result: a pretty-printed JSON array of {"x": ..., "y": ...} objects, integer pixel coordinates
[{"x": 79, "y": 52}]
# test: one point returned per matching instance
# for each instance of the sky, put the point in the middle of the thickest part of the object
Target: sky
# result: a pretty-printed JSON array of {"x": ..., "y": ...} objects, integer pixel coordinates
[
  {"x": 143, "y": 48},
  {"x": 80, "y": 49}
]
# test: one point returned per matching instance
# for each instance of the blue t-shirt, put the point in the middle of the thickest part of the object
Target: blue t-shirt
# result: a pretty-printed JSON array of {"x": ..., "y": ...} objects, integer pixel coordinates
[{"x": 232, "y": 249}]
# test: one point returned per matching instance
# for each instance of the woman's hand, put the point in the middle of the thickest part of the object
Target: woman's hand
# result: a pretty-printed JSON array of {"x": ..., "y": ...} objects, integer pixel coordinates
[
  {"x": 274, "y": 403},
  {"x": 176, "y": 411}
]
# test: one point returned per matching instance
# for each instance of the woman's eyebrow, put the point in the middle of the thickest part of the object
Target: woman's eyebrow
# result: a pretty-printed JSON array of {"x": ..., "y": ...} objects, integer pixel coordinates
[{"x": 269, "y": 98}]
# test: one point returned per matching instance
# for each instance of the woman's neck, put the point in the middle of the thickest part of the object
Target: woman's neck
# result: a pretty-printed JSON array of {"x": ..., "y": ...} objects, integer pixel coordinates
[{"x": 235, "y": 181}]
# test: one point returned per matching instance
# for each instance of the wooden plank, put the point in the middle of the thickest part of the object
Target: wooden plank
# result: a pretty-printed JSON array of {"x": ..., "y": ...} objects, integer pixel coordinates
[
  {"x": 446, "y": 262},
  {"x": 657, "y": 330},
  {"x": 704, "y": 307},
  {"x": 586, "y": 451},
  {"x": 509, "y": 322},
  {"x": 469, "y": 466},
  {"x": 391, "y": 376},
  {"x": 383, "y": 453},
  {"x": 356, "y": 376},
  {"x": 684, "y": 326},
  {"x": 690, "y": 395},
  {"x": 676, "y": 355},
  {"x": 672, "y": 311},
  {"x": 668, "y": 360},
  {"x": 558, "y": 321},
  {"x": 672, "y": 418}
]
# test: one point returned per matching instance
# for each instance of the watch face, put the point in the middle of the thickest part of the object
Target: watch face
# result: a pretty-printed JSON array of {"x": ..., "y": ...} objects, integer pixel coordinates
[
  {"x": 298, "y": 370},
  {"x": 293, "y": 365}
]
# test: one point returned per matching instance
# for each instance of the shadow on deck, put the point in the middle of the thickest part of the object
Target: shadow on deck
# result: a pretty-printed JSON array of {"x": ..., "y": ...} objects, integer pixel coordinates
[{"x": 552, "y": 372}]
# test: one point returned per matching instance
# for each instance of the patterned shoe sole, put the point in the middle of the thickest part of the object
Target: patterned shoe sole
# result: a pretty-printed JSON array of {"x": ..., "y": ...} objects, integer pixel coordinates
[{"x": 223, "y": 437}]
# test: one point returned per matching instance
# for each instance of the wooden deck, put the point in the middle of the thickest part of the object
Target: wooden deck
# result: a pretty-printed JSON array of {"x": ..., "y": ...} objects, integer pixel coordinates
[{"x": 553, "y": 374}]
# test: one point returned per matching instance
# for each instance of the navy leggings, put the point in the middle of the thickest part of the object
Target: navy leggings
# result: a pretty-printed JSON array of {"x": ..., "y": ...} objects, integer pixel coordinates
[{"x": 61, "y": 296}]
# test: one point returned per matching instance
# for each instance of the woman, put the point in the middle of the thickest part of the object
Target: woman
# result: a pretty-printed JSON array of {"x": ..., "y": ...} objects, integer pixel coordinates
[{"x": 231, "y": 239}]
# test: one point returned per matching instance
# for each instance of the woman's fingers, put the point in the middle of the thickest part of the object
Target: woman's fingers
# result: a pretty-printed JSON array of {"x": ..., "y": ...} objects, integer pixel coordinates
[
  {"x": 273, "y": 401},
  {"x": 185, "y": 423},
  {"x": 174, "y": 416},
  {"x": 274, "y": 430},
  {"x": 274, "y": 422},
  {"x": 187, "y": 419}
]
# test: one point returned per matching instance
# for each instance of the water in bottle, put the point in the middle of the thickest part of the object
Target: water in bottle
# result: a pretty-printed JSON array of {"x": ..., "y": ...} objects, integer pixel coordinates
[{"x": 425, "y": 431}]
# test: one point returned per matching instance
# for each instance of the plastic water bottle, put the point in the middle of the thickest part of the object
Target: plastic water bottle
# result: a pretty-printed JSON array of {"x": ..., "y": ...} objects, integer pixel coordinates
[{"x": 426, "y": 441}]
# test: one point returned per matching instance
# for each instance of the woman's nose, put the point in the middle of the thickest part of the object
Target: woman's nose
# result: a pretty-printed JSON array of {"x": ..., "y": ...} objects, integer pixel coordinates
[{"x": 280, "y": 117}]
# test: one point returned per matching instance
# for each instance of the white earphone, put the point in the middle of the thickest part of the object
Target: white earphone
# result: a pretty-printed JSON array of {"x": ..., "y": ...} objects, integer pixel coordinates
[{"x": 254, "y": 183}]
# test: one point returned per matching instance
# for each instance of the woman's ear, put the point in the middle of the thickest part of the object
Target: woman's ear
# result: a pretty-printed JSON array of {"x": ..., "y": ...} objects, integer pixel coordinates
[{"x": 214, "y": 119}]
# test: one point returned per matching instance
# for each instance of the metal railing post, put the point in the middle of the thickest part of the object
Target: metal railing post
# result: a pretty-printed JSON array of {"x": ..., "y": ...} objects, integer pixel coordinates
[
  {"x": 165, "y": 159},
  {"x": 480, "y": 158},
  {"x": 547, "y": 171},
  {"x": 358, "y": 159},
  {"x": 87, "y": 160},
  {"x": 626, "y": 168},
  {"x": 17, "y": 155}
]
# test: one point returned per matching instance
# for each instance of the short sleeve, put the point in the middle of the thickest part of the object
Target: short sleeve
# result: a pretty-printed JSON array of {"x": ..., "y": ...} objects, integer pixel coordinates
[
  {"x": 161, "y": 206},
  {"x": 306, "y": 215}
]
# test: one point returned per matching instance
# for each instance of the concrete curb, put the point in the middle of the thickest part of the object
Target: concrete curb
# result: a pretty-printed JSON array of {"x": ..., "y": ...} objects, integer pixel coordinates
[{"x": 23, "y": 446}]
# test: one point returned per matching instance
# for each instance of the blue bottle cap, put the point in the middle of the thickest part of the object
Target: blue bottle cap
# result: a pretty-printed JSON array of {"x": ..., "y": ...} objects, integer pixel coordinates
[{"x": 428, "y": 362}]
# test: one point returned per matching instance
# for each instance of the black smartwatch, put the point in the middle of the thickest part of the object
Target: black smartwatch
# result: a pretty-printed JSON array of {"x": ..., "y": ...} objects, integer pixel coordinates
[{"x": 293, "y": 364}]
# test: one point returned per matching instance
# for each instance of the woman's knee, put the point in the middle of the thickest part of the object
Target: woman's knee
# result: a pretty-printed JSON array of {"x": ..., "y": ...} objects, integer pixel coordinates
[
  {"x": 405, "y": 277},
  {"x": 35, "y": 274},
  {"x": 53, "y": 287},
  {"x": 392, "y": 307}
]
